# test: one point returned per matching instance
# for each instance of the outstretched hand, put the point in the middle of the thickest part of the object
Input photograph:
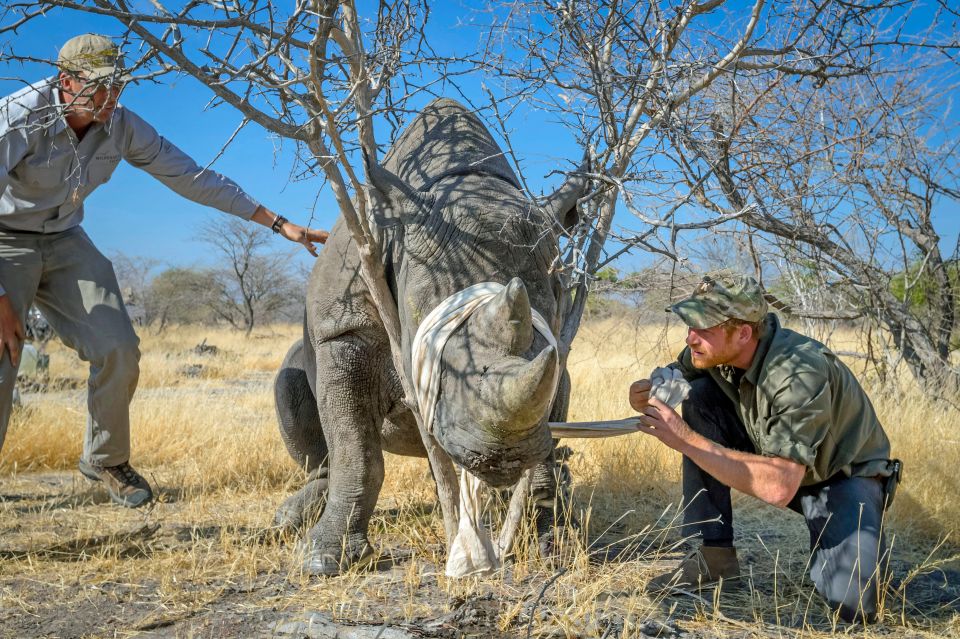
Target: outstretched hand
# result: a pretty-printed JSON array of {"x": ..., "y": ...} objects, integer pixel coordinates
[
  {"x": 303, "y": 235},
  {"x": 665, "y": 424},
  {"x": 11, "y": 330},
  {"x": 289, "y": 230}
]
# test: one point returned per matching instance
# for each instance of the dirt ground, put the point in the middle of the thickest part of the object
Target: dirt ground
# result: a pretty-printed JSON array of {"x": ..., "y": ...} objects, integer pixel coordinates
[{"x": 74, "y": 565}]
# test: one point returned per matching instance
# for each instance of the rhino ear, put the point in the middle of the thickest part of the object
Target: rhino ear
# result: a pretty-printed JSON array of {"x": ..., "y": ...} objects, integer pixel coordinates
[
  {"x": 393, "y": 200},
  {"x": 561, "y": 205}
]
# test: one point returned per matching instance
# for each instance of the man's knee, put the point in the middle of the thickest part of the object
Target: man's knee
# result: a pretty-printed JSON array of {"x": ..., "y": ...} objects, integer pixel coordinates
[
  {"x": 122, "y": 359},
  {"x": 853, "y": 602},
  {"x": 850, "y": 579}
]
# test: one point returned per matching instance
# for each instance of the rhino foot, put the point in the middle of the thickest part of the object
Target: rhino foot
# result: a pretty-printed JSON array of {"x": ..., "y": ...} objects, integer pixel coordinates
[
  {"x": 319, "y": 561},
  {"x": 302, "y": 509},
  {"x": 555, "y": 531}
]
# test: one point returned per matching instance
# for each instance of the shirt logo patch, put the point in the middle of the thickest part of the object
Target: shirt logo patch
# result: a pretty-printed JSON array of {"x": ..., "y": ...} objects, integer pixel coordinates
[{"x": 107, "y": 157}]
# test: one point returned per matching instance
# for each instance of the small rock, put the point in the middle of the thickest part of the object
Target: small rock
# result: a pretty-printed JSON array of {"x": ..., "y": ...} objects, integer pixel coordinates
[
  {"x": 191, "y": 370},
  {"x": 654, "y": 628},
  {"x": 319, "y": 626}
]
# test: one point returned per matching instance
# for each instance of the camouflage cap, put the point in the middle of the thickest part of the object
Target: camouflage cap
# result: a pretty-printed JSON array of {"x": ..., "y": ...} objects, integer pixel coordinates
[
  {"x": 95, "y": 56},
  {"x": 714, "y": 301}
]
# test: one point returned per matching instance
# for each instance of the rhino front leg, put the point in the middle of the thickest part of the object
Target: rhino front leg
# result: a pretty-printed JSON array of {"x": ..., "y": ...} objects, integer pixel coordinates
[
  {"x": 352, "y": 415},
  {"x": 550, "y": 484},
  {"x": 302, "y": 434}
]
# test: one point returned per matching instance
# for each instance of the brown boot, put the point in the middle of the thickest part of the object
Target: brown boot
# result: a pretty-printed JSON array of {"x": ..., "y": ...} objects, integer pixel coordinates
[
  {"x": 125, "y": 485},
  {"x": 703, "y": 568}
]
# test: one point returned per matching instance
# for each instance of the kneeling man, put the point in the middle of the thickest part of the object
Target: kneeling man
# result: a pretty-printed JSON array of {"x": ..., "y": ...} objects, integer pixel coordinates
[{"x": 776, "y": 415}]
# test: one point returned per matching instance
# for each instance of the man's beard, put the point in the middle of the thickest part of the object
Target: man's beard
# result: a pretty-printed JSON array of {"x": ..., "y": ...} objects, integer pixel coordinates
[{"x": 710, "y": 360}]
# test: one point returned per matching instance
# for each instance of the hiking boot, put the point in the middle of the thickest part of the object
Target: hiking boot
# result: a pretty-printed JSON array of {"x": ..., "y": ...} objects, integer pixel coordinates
[
  {"x": 125, "y": 485},
  {"x": 703, "y": 568}
]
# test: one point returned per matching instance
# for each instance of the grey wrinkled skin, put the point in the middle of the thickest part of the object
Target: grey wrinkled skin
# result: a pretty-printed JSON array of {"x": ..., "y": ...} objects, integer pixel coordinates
[{"x": 449, "y": 213}]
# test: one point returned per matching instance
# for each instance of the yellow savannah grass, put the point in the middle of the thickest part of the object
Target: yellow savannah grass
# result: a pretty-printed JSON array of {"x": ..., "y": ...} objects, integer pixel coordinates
[{"x": 204, "y": 432}]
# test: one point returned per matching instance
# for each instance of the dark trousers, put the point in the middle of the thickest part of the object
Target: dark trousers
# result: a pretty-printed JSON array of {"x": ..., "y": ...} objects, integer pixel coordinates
[{"x": 844, "y": 514}]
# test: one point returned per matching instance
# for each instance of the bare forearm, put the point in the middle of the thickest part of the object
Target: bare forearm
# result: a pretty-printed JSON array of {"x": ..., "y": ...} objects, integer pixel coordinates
[
  {"x": 771, "y": 479},
  {"x": 263, "y": 216}
]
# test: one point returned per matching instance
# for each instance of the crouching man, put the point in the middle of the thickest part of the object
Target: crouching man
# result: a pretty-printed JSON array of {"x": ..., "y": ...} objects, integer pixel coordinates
[{"x": 778, "y": 416}]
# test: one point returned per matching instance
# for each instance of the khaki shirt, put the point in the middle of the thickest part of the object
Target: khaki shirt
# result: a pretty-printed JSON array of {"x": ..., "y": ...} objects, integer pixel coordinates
[{"x": 800, "y": 402}]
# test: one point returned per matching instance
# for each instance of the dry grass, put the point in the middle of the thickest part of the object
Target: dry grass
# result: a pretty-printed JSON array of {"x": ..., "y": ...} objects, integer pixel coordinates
[{"x": 204, "y": 433}]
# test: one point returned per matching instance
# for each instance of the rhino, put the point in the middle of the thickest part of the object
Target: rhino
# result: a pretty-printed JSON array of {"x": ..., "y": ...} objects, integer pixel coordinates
[{"x": 449, "y": 213}]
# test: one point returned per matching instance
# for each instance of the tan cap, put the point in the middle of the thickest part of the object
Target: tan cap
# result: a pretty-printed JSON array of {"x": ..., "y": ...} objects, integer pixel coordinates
[
  {"x": 714, "y": 301},
  {"x": 95, "y": 56}
]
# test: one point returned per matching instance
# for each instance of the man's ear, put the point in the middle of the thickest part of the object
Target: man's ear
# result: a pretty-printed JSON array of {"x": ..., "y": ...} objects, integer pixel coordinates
[{"x": 66, "y": 80}]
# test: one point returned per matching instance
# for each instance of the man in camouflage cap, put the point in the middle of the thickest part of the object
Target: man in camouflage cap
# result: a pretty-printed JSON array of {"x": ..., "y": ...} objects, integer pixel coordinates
[
  {"x": 778, "y": 416},
  {"x": 60, "y": 139}
]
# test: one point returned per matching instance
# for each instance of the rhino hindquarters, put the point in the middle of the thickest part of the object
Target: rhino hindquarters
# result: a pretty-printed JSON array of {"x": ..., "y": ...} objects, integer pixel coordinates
[
  {"x": 302, "y": 509},
  {"x": 302, "y": 434},
  {"x": 297, "y": 412}
]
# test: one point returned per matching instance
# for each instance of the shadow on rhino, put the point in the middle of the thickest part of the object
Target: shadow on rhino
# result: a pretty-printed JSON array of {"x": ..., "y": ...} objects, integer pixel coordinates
[{"x": 449, "y": 214}]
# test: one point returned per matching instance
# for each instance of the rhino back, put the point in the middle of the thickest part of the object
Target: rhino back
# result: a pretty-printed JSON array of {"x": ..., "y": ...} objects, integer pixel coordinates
[{"x": 446, "y": 139}]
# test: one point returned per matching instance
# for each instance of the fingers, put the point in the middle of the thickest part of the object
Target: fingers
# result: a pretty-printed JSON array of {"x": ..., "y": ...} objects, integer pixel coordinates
[
  {"x": 652, "y": 412},
  {"x": 305, "y": 236},
  {"x": 659, "y": 404},
  {"x": 639, "y": 394},
  {"x": 317, "y": 235},
  {"x": 8, "y": 345},
  {"x": 12, "y": 341},
  {"x": 12, "y": 332},
  {"x": 309, "y": 246}
]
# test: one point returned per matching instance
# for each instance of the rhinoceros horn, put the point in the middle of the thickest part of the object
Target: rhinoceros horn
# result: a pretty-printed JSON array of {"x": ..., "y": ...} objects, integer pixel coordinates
[
  {"x": 518, "y": 391},
  {"x": 508, "y": 317},
  {"x": 393, "y": 199},
  {"x": 561, "y": 205}
]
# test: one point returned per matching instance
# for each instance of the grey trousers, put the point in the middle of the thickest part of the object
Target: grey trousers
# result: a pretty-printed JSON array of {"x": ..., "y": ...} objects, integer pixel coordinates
[
  {"x": 844, "y": 515},
  {"x": 75, "y": 288}
]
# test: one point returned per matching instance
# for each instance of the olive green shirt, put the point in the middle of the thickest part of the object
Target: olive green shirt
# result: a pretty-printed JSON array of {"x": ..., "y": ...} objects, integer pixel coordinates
[{"x": 800, "y": 402}]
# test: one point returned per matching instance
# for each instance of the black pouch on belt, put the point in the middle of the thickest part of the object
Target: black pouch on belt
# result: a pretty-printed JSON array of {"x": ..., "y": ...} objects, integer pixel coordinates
[{"x": 890, "y": 483}]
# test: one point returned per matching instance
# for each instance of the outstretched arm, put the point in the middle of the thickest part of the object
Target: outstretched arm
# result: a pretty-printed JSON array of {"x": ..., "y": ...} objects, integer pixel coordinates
[
  {"x": 774, "y": 480},
  {"x": 145, "y": 149}
]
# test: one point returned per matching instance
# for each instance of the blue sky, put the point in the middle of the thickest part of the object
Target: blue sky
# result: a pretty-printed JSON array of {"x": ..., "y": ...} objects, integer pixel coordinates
[{"x": 136, "y": 215}]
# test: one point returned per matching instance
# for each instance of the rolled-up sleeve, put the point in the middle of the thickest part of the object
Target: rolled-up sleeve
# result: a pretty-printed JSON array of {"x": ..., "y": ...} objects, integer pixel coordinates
[
  {"x": 799, "y": 419},
  {"x": 145, "y": 149}
]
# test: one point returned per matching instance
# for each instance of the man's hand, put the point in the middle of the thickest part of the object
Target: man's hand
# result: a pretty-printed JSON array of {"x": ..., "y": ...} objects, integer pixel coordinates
[
  {"x": 640, "y": 394},
  {"x": 291, "y": 231},
  {"x": 665, "y": 424},
  {"x": 303, "y": 235},
  {"x": 11, "y": 330}
]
